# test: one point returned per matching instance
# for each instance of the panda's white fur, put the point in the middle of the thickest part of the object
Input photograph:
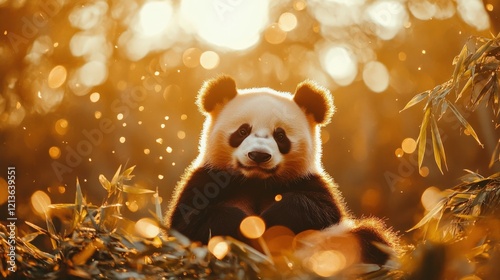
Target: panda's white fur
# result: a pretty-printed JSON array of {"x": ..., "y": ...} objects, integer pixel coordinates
[{"x": 265, "y": 109}]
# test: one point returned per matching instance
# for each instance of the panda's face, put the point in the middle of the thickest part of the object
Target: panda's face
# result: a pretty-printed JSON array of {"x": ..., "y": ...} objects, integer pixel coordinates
[{"x": 262, "y": 134}]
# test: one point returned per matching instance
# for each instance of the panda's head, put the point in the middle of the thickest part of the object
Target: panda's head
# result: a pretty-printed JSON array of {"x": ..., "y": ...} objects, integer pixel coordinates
[{"x": 262, "y": 133}]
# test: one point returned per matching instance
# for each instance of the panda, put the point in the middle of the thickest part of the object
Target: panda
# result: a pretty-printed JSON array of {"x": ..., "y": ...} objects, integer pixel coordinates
[{"x": 260, "y": 155}]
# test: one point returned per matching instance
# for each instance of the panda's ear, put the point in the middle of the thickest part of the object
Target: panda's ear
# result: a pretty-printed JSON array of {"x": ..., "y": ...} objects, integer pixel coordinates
[
  {"x": 315, "y": 100},
  {"x": 216, "y": 91}
]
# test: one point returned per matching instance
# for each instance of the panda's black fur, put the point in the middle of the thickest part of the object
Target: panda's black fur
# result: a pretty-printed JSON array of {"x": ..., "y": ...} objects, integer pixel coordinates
[{"x": 215, "y": 195}]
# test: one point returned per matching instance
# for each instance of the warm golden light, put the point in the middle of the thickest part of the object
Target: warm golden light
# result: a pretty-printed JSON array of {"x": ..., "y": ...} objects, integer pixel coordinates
[
  {"x": 181, "y": 134},
  {"x": 209, "y": 60},
  {"x": 399, "y": 152},
  {"x": 340, "y": 63},
  {"x": 430, "y": 197},
  {"x": 376, "y": 76},
  {"x": 299, "y": 5},
  {"x": 122, "y": 139},
  {"x": 234, "y": 25},
  {"x": 409, "y": 145},
  {"x": 169, "y": 149},
  {"x": 326, "y": 263},
  {"x": 40, "y": 202},
  {"x": 57, "y": 76},
  {"x": 278, "y": 197},
  {"x": 147, "y": 151},
  {"x": 154, "y": 17},
  {"x": 61, "y": 126},
  {"x": 97, "y": 115},
  {"x": 94, "y": 97},
  {"x": 274, "y": 34},
  {"x": 424, "y": 171},
  {"x": 252, "y": 227},
  {"x": 147, "y": 228},
  {"x": 191, "y": 57},
  {"x": 132, "y": 206},
  {"x": 287, "y": 22},
  {"x": 218, "y": 247},
  {"x": 54, "y": 152}
]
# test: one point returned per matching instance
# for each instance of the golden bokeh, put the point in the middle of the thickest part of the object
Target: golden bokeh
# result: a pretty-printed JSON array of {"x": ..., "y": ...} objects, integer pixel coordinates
[
  {"x": 430, "y": 197},
  {"x": 191, "y": 57},
  {"x": 326, "y": 263},
  {"x": 287, "y": 22},
  {"x": 218, "y": 247},
  {"x": 54, "y": 152},
  {"x": 252, "y": 227},
  {"x": 209, "y": 60},
  {"x": 274, "y": 34},
  {"x": 61, "y": 126},
  {"x": 40, "y": 202},
  {"x": 147, "y": 228},
  {"x": 57, "y": 76},
  {"x": 409, "y": 145}
]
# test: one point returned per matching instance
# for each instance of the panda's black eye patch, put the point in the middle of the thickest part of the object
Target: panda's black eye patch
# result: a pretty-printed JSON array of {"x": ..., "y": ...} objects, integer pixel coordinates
[
  {"x": 239, "y": 135},
  {"x": 284, "y": 144}
]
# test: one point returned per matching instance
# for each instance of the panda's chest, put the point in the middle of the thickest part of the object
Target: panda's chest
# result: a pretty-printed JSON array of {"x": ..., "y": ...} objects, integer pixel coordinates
[{"x": 253, "y": 198}]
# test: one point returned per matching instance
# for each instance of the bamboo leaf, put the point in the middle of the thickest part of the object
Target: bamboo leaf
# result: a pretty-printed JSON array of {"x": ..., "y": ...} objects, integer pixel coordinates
[
  {"x": 438, "y": 144},
  {"x": 464, "y": 123},
  {"x": 127, "y": 173},
  {"x": 416, "y": 99},
  {"x": 435, "y": 146},
  {"x": 495, "y": 156},
  {"x": 459, "y": 63},
  {"x": 422, "y": 137},
  {"x": 136, "y": 190},
  {"x": 116, "y": 176},
  {"x": 104, "y": 182},
  {"x": 430, "y": 215},
  {"x": 481, "y": 50},
  {"x": 466, "y": 86}
]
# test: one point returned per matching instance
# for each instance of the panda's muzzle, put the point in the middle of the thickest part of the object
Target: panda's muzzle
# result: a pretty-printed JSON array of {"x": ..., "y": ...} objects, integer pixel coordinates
[{"x": 259, "y": 157}]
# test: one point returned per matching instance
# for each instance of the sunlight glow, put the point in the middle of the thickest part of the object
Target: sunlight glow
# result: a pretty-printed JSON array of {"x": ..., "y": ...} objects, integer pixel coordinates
[
  {"x": 341, "y": 64},
  {"x": 234, "y": 25},
  {"x": 287, "y": 22},
  {"x": 154, "y": 17},
  {"x": 376, "y": 76},
  {"x": 473, "y": 13},
  {"x": 389, "y": 18},
  {"x": 57, "y": 76}
]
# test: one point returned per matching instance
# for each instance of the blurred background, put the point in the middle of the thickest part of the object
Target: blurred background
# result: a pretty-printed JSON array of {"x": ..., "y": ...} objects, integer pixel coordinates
[{"x": 87, "y": 86}]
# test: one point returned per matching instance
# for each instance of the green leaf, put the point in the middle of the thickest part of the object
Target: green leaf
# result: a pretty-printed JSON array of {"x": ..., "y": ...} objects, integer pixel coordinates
[
  {"x": 416, "y": 99},
  {"x": 422, "y": 137},
  {"x": 464, "y": 122}
]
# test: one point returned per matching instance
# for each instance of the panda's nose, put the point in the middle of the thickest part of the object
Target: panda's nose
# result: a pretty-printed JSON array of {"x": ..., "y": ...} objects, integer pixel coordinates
[{"x": 259, "y": 157}]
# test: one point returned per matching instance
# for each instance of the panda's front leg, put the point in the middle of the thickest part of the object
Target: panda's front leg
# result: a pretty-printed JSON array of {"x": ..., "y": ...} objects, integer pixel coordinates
[
  {"x": 302, "y": 210},
  {"x": 214, "y": 220}
]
